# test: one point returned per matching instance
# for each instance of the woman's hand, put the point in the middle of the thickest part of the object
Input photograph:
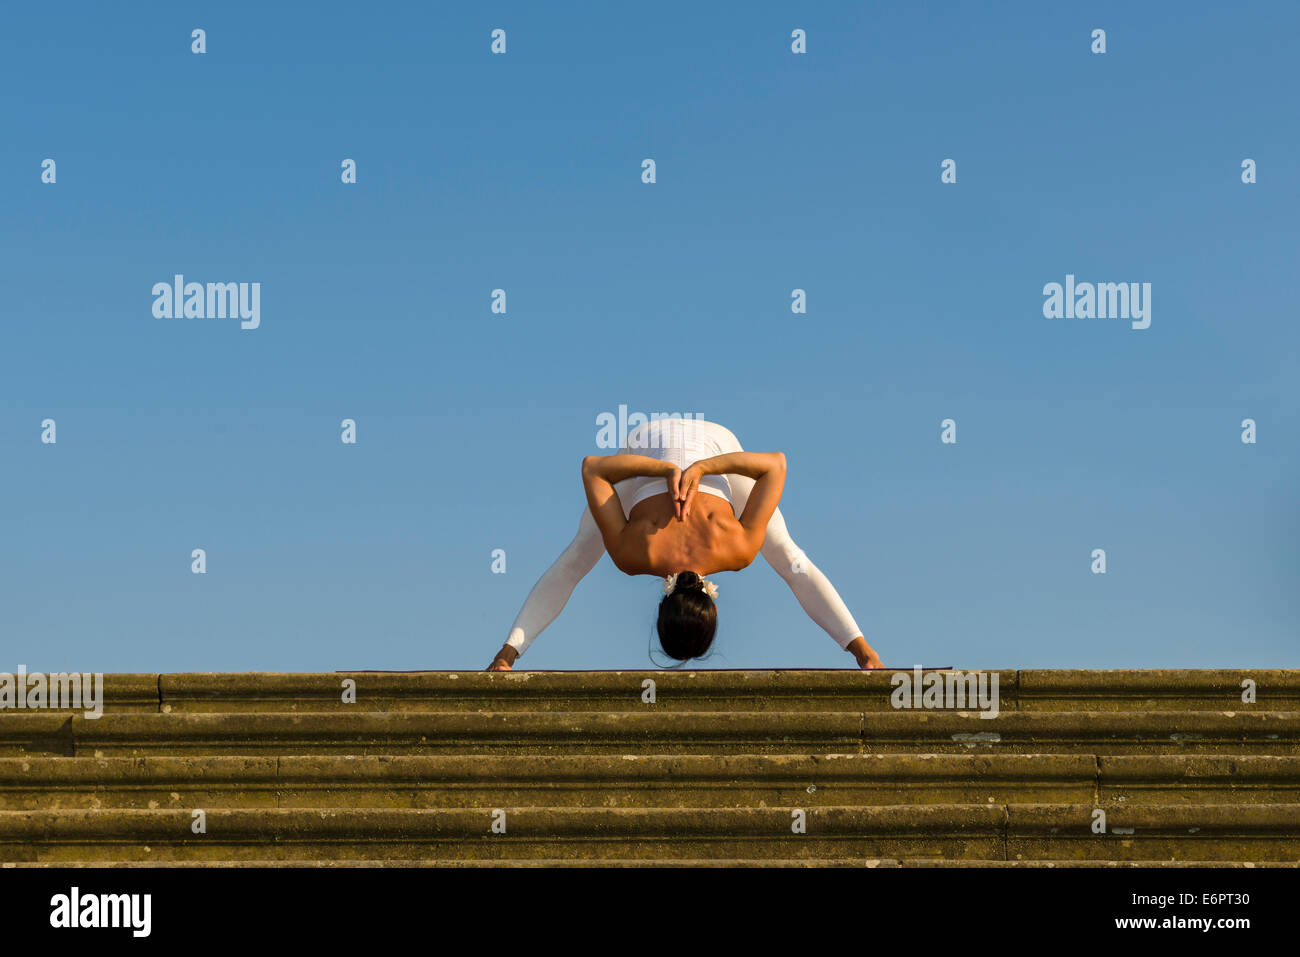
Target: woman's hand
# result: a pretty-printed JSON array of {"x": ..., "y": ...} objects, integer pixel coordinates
[
  {"x": 505, "y": 659},
  {"x": 673, "y": 475},
  {"x": 688, "y": 485}
]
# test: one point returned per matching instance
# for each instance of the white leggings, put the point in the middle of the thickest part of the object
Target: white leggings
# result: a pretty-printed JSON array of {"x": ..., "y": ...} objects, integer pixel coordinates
[{"x": 813, "y": 589}]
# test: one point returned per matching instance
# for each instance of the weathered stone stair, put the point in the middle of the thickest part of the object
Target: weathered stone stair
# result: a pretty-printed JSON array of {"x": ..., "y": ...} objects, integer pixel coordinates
[{"x": 719, "y": 769}]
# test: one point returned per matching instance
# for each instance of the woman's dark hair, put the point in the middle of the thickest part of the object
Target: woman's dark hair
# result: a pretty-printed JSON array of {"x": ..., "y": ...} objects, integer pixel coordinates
[{"x": 687, "y": 619}]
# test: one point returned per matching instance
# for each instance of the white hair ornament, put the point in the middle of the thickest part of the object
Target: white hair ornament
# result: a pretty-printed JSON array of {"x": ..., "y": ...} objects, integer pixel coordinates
[{"x": 710, "y": 589}]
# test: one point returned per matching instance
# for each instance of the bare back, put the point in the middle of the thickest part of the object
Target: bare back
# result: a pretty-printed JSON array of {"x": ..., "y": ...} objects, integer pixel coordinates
[{"x": 710, "y": 539}]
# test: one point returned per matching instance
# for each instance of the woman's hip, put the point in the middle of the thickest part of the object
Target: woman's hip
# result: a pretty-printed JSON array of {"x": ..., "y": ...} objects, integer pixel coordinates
[{"x": 681, "y": 441}]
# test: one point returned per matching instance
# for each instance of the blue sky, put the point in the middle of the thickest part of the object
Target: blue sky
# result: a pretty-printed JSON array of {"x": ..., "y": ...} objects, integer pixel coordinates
[{"x": 523, "y": 172}]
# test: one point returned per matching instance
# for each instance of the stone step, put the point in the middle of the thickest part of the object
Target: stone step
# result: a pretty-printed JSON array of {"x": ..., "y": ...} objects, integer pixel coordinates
[
  {"x": 541, "y": 862},
  {"x": 719, "y": 862},
  {"x": 708, "y": 770},
  {"x": 700, "y": 690},
  {"x": 742, "y": 780},
  {"x": 1041, "y": 832},
  {"x": 652, "y": 732}
]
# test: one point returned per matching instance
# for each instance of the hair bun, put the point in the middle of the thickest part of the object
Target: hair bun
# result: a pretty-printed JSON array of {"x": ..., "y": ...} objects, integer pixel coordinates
[{"x": 689, "y": 580}]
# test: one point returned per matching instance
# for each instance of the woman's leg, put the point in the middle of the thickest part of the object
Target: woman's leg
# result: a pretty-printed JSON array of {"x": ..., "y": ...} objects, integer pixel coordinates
[
  {"x": 549, "y": 596},
  {"x": 551, "y": 593},
  {"x": 814, "y": 590}
]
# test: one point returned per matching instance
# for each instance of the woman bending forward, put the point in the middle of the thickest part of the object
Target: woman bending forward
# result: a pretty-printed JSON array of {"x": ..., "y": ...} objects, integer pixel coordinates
[{"x": 681, "y": 501}]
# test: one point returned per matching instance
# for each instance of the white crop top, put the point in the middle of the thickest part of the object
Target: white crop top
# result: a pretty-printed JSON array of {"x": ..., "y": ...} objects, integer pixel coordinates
[{"x": 682, "y": 442}]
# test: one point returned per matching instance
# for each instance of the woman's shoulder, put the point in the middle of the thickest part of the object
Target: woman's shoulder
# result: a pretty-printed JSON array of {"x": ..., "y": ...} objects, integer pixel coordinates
[{"x": 632, "y": 552}]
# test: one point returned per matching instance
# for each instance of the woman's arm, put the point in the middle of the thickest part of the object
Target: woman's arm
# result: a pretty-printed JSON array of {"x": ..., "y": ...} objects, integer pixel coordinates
[
  {"x": 625, "y": 465},
  {"x": 768, "y": 471},
  {"x": 600, "y": 472}
]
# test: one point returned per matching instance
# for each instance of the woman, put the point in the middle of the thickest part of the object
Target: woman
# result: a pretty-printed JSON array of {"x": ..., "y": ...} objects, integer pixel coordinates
[{"x": 693, "y": 504}]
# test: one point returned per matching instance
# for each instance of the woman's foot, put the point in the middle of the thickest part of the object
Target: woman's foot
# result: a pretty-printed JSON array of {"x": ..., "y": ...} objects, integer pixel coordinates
[
  {"x": 864, "y": 653},
  {"x": 504, "y": 660}
]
